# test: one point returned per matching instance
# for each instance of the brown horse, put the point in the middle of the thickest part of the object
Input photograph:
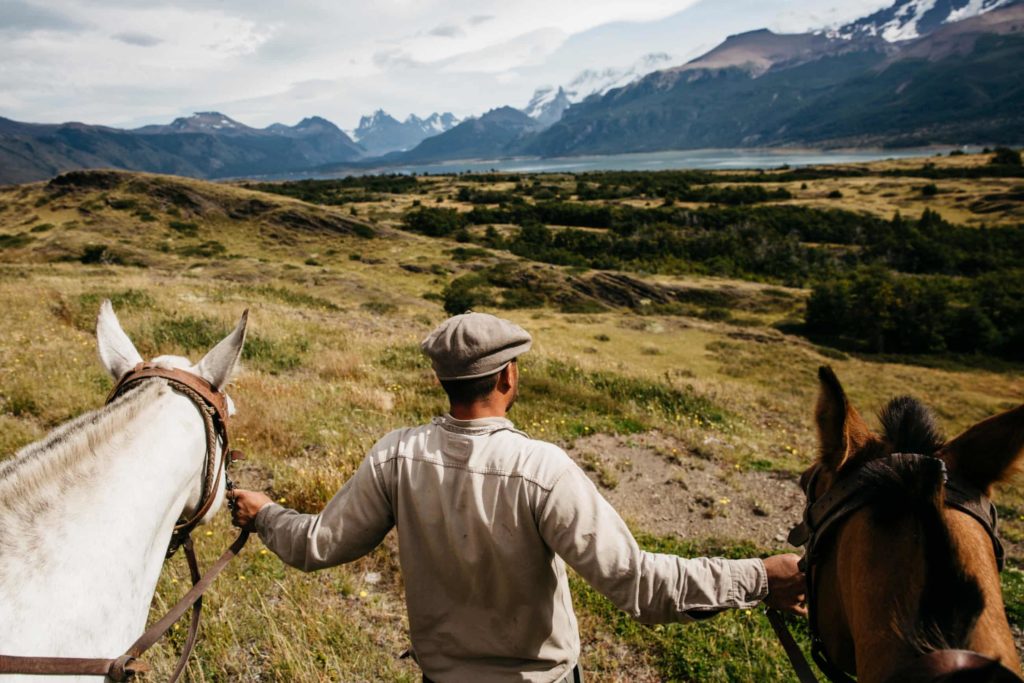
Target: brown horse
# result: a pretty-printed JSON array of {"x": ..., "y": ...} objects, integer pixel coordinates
[{"x": 903, "y": 571}]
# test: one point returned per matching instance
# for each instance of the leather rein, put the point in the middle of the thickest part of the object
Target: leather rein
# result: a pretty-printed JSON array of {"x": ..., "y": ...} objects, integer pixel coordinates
[
  {"x": 822, "y": 516},
  {"x": 212, "y": 405}
]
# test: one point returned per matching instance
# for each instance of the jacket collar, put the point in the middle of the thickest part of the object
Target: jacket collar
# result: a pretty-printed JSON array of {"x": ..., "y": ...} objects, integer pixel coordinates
[{"x": 478, "y": 427}]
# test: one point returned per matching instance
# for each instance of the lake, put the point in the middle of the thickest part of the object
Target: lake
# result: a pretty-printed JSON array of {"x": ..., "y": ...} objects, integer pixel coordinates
[{"x": 706, "y": 159}]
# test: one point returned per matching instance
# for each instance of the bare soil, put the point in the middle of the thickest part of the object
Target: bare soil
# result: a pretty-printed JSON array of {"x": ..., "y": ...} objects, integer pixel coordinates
[{"x": 661, "y": 487}]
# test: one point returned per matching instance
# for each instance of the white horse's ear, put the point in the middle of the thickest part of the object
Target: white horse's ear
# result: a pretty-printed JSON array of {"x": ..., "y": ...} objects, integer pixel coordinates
[
  {"x": 117, "y": 353},
  {"x": 217, "y": 365}
]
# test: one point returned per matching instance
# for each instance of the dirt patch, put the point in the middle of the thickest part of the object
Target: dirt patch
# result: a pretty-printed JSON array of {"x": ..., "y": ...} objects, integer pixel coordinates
[{"x": 661, "y": 487}]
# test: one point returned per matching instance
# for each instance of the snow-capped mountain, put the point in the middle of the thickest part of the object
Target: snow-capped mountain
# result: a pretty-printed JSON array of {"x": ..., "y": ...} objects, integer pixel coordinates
[
  {"x": 909, "y": 19},
  {"x": 548, "y": 102},
  {"x": 380, "y": 133},
  {"x": 212, "y": 122}
]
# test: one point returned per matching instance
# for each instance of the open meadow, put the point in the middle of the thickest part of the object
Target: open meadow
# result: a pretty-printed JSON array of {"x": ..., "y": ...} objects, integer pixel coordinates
[{"x": 679, "y": 320}]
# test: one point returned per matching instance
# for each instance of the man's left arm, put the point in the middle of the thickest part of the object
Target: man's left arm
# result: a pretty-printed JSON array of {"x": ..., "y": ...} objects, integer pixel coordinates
[{"x": 584, "y": 529}]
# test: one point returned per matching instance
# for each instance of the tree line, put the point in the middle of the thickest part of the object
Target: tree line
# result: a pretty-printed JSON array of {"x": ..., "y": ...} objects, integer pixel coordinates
[{"x": 900, "y": 285}]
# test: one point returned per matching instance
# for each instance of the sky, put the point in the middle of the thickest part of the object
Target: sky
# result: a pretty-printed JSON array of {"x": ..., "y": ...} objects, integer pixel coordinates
[{"x": 128, "y": 63}]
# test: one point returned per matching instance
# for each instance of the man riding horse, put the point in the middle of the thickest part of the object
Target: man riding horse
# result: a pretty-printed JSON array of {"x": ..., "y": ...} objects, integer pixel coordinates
[{"x": 487, "y": 518}]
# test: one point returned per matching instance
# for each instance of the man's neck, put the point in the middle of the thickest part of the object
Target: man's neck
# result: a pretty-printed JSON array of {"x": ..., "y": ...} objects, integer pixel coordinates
[{"x": 475, "y": 411}]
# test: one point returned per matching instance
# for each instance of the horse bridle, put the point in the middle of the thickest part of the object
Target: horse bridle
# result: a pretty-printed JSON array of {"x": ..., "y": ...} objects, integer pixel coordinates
[
  {"x": 822, "y": 517},
  {"x": 213, "y": 407}
]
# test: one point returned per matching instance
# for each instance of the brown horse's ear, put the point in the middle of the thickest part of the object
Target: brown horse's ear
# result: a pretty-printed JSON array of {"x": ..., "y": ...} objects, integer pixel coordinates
[
  {"x": 841, "y": 429},
  {"x": 989, "y": 451}
]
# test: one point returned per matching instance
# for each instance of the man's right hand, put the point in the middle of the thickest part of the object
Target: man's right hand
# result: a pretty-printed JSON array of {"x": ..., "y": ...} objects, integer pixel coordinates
[
  {"x": 247, "y": 505},
  {"x": 786, "y": 584}
]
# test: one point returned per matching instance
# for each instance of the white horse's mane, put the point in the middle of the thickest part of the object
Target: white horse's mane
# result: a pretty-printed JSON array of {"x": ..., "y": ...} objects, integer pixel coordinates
[{"x": 53, "y": 463}]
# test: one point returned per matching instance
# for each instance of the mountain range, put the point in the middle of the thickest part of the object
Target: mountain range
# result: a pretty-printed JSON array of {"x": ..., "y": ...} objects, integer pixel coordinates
[
  {"x": 918, "y": 72},
  {"x": 958, "y": 82},
  {"x": 206, "y": 145}
]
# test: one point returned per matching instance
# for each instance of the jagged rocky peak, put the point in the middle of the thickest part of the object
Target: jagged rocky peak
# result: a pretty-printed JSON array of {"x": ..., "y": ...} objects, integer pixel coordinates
[
  {"x": 380, "y": 132},
  {"x": 909, "y": 19},
  {"x": 377, "y": 118}
]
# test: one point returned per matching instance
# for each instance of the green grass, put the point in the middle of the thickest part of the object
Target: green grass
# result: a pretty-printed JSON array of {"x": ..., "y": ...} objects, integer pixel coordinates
[{"x": 736, "y": 645}]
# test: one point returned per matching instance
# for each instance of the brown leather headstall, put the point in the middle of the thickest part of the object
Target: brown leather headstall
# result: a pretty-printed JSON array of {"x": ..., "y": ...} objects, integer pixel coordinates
[{"x": 213, "y": 406}]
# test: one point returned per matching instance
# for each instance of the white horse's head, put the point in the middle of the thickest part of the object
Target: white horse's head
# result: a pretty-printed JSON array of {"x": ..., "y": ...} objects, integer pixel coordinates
[{"x": 119, "y": 356}]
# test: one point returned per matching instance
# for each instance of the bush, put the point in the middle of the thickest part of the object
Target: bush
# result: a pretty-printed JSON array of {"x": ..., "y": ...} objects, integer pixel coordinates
[
  {"x": 208, "y": 249},
  {"x": 100, "y": 253},
  {"x": 1004, "y": 156},
  {"x": 434, "y": 222},
  {"x": 14, "y": 241},
  {"x": 466, "y": 292},
  {"x": 186, "y": 228},
  {"x": 930, "y": 190}
]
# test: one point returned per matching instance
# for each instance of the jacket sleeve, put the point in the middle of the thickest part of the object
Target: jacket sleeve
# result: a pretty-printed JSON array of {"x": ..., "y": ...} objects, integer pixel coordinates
[
  {"x": 584, "y": 529},
  {"x": 352, "y": 524}
]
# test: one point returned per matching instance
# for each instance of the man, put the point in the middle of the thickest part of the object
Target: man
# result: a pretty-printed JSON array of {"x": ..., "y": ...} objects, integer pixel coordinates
[{"x": 486, "y": 516}]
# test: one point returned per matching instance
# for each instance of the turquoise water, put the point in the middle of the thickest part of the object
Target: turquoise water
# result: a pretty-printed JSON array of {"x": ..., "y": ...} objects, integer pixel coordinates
[{"x": 707, "y": 159}]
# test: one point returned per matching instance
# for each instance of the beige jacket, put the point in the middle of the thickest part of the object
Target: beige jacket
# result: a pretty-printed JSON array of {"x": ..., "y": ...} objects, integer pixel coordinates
[{"x": 485, "y": 518}]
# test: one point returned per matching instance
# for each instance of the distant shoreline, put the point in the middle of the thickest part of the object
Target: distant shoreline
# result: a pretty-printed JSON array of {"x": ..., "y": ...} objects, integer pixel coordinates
[{"x": 733, "y": 159}]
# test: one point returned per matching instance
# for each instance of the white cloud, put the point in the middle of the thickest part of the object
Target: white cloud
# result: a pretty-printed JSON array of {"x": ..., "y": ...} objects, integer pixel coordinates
[{"x": 129, "y": 62}]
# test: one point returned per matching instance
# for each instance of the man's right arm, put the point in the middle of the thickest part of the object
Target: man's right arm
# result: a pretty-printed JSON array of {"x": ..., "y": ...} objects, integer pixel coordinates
[{"x": 352, "y": 524}]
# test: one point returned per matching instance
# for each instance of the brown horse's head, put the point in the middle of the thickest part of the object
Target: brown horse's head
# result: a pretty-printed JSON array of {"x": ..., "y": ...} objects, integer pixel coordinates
[{"x": 903, "y": 575}]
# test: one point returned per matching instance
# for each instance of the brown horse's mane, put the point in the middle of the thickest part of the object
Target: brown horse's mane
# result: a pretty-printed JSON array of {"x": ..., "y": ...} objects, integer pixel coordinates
[{"x": 951, "y": 600}]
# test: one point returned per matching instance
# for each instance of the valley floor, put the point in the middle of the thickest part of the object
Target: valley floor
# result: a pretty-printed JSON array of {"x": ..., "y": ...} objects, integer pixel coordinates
[{"x": 694, "y": 426}]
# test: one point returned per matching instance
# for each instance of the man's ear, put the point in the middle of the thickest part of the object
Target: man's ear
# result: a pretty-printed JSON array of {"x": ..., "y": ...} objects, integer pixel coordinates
[
  {"x": 506, "y": 378},
  {"x": 117, "y": 353},
  {"x": 989, "y": 451},
  {"x": 841, "y": 430},
  {"x": 217, "y": 365}
]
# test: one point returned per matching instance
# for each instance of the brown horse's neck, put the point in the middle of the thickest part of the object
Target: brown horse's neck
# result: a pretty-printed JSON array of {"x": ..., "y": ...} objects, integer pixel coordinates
[
  {"x": 866, "y": 602},
  {"x": 991, "y": 635}
]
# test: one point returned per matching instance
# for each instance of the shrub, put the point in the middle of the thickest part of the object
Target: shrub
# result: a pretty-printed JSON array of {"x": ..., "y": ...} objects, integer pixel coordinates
[
  {"x": 185, "y": 228},
  {"x": 207, "y": 249},
  {"x": 466, "y": 292},
  {"x": 1004, "y": 156},
  {"x": 434, "y": 222},
  {"x": 14, "y": 241},
  {"x": 100, "y": 253}
]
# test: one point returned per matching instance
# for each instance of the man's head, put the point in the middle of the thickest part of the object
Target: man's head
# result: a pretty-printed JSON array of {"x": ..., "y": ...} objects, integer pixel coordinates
[{"x": 474, "y": 356}]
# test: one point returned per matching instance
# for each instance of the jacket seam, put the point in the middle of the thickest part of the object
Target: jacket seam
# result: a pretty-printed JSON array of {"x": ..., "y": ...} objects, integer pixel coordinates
[{"x": 472, "y": 470}]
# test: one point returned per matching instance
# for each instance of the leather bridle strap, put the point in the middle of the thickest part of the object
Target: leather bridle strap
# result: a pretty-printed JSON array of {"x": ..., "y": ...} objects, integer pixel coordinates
[
  {"x": 193, "y": 597},
  {"x": 124, "y": 667},
  {"x": 796, "y": 657}
]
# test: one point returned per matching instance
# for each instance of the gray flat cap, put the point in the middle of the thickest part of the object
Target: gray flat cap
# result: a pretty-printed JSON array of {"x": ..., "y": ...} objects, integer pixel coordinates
[{"x": 474, "y": 345}]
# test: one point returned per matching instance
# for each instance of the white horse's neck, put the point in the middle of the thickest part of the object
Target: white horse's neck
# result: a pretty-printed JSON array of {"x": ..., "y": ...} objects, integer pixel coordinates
[{"x": 85, "y": 520}]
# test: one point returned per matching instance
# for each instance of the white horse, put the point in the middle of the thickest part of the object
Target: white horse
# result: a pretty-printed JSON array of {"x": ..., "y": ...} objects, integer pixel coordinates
[{"x": 86, "y": 514}]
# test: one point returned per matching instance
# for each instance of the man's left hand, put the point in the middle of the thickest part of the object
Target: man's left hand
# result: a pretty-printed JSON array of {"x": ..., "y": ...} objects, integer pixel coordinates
[{"x": 786, "y": 584}]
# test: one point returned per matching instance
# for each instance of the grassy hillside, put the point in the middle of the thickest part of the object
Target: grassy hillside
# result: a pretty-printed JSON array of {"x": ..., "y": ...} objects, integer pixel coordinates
[{"x": 692, "y": 414}]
